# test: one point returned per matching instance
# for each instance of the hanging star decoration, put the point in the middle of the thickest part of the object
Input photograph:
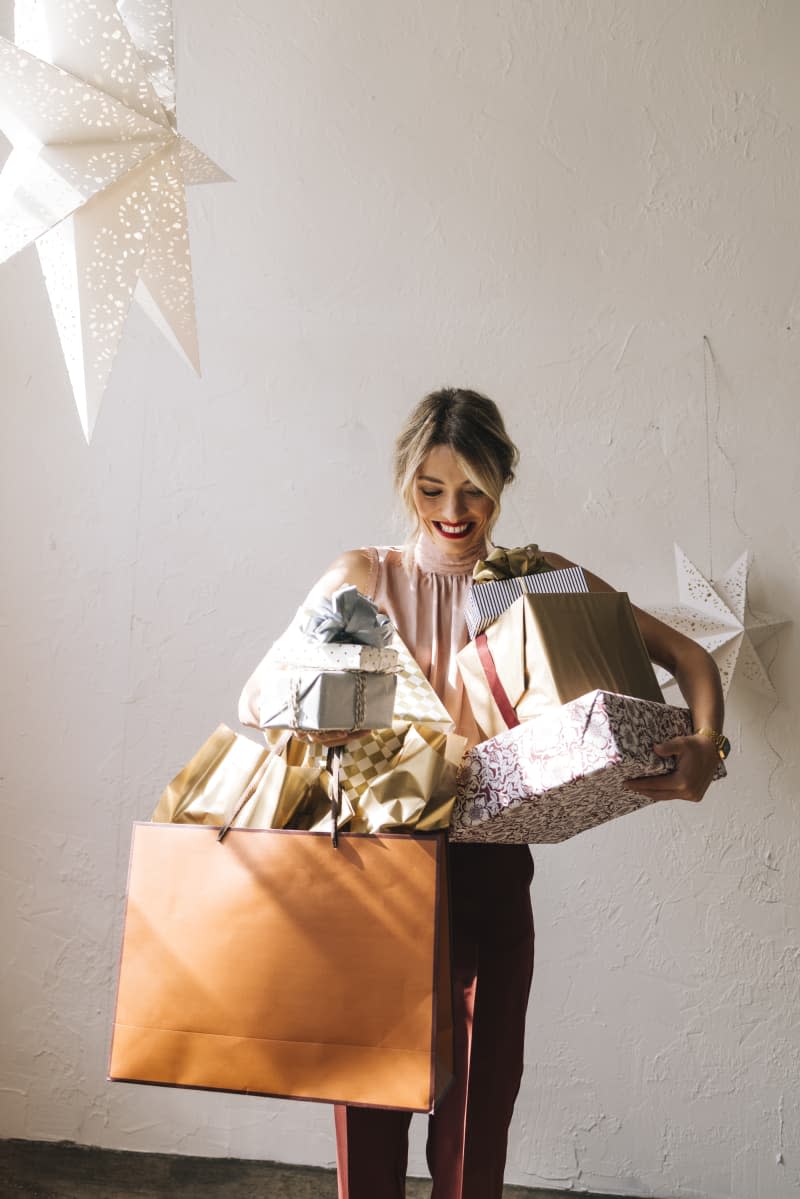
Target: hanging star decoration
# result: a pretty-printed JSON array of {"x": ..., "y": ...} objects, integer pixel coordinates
[
  {"x": 97, "y": 176},
  {"x": 718, "y": 616}
]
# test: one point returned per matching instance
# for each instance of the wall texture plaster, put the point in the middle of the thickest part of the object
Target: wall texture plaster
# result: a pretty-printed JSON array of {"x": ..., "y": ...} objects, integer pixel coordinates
[{"x": 552, "y": 201}]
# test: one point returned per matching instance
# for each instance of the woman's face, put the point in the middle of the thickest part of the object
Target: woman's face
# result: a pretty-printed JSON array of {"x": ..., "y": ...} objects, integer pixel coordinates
[{"x": 452, "y": 510}]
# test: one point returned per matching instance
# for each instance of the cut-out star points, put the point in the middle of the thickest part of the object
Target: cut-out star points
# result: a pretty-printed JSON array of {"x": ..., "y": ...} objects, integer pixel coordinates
[
  {"x": 718, "y": 616},
  {"x": 97, "y": 176}
]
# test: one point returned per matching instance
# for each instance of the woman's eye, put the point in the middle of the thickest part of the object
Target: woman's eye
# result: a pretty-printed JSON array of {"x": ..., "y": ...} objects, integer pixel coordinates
[
  {"x": 475, "y": 494},
  {"x": 429, "y": 494}
]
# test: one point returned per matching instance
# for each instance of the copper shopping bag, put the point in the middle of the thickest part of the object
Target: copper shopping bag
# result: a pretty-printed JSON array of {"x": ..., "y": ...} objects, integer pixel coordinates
[{"x": 272, "y": 963}]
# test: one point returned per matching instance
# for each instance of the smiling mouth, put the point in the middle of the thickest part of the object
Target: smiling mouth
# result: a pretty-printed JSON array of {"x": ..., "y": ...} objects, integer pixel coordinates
[{"x": 453, "y": 532}]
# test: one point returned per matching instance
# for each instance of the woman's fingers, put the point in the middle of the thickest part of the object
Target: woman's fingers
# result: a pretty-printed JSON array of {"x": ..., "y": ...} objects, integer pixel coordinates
[
  {"x": 328, "y": 737},
  {"x": 696, "y": 762},
  {"x": 671, "y": 748},
  {"x": 317, "y": 737},
  {"x": 663, "y": 786}
]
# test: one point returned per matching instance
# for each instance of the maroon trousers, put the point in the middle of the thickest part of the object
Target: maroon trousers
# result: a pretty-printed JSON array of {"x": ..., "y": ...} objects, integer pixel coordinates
[{"x": 492, "y": 971}]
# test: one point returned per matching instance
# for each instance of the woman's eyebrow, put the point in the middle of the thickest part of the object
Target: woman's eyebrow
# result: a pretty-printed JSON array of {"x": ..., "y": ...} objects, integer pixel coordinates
[{"x": 431, "y": 479}]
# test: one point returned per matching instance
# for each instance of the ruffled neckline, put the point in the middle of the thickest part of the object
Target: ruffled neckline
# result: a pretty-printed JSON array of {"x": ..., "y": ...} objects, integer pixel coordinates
[{"x": 431, "y": 560}]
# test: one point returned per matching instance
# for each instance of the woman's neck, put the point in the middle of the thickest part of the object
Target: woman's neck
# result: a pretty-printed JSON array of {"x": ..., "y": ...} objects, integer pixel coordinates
[{"x": 433, "y": 559}]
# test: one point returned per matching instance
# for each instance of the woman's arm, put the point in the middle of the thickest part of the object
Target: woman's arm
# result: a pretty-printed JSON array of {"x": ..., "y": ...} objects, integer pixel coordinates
[
  {"x": 697, "y": 676},
  {"x": 353, "y": 568}
]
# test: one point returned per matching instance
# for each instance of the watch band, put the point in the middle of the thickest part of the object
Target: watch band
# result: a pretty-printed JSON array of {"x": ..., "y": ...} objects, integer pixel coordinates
[{"x": 720, "y": 740}]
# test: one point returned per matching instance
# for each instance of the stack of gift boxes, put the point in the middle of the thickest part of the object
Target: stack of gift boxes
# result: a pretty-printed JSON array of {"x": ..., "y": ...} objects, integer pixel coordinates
[
  {"x": 340, "y": 674},
  {"x": 342, "y": 668},
  {"x": 562, "y": 688}
]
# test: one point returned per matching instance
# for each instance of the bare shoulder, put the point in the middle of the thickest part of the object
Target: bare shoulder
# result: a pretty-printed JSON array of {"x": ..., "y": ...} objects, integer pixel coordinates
[
  {"x": 353, "y": 567},
  {"x": 558, "y": 562}
]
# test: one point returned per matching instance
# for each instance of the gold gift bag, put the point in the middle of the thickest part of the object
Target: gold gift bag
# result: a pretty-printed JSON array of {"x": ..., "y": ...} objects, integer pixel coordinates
[
  {"x": 546, "y": 650},
  {"x": 280, "y": 788},
  {"x": 274, "y": 964}
]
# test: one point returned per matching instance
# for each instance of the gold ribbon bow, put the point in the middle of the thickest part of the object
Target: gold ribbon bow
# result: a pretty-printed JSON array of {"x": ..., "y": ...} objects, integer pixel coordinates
[{"x": 509, "y": 564}]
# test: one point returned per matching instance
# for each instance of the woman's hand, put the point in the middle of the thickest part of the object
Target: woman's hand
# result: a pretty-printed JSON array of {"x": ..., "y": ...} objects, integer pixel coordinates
[
  {"x": 697, "y": 761},
  {"x": 695, "y": 672},
  {"x": 327, "y": 738}
]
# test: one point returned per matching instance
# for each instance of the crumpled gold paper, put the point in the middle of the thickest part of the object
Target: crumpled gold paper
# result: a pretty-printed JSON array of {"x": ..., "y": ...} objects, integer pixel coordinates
[
  {"x": 402, "y": 778},
  {"x": 504, "y": 563},
  {"x": 211, "y": 785},
  {"x": 413, "y": 790}
]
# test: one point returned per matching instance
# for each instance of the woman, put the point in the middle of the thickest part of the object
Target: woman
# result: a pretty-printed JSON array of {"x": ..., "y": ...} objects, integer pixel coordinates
[{"x": 452, "y": 461}]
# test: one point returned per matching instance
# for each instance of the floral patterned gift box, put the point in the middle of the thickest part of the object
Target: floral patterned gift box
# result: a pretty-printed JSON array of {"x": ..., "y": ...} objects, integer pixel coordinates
[{"x": 562, "y": 772}]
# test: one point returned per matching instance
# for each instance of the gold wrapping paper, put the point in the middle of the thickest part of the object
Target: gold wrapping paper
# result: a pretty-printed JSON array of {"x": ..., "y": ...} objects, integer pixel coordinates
[
  {"x": 414, "y": 790},
  {"x": 210, "y": 786},
  {"x": 400, "y": 779},
  {"x": 504, "y": 563},
  {"x": 549, "y": 649}
]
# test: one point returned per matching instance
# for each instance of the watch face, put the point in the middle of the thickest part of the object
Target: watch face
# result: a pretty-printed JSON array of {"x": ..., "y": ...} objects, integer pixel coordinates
[{"x": 724, "y": 747}]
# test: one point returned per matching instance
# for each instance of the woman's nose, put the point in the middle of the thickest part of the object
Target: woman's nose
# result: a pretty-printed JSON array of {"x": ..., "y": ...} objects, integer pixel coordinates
[{"x": 455, "y": 508}]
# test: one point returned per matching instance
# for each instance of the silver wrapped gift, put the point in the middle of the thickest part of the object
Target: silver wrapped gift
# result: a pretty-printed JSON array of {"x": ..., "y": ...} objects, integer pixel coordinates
[
  {"x": 338, "y": 673},
  {"x": 318, "y": 701},
  {"x": 339, "y": 655}
]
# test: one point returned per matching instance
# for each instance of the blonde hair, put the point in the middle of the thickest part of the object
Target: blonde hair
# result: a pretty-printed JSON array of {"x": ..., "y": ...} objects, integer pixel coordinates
[{"x": 471, "y": 425}]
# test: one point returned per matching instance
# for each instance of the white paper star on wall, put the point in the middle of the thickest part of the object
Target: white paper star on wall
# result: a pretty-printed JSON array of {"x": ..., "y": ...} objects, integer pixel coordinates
[
  {"x": 97, "y": 176},
  {"x": 718, "y": 616}
]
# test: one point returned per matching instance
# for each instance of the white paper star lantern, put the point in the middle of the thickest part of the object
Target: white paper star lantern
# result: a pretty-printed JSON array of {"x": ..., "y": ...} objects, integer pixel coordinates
[
  {"x": 718, "y": 616},
  {"x": 97, "y": 176}
]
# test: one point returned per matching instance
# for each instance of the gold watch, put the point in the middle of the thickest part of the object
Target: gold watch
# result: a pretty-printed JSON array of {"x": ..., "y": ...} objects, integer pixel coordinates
[{"x": 720, "y": 740}]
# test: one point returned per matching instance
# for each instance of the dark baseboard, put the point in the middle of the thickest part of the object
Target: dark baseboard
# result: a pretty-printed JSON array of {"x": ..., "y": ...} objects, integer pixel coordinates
[{"x": 64, "y": 1170}]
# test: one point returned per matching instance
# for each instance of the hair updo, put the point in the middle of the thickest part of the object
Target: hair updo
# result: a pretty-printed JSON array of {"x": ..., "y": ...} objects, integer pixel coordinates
[{"x": 471, "y": 425}]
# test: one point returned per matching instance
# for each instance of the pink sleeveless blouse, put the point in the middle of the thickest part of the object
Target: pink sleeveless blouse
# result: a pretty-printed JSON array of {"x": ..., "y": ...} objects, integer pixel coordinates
[{"x": 426, "y": 605}]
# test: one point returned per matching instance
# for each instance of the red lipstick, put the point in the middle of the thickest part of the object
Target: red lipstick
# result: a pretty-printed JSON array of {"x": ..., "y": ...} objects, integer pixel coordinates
[{"x": 464, "y": 528}]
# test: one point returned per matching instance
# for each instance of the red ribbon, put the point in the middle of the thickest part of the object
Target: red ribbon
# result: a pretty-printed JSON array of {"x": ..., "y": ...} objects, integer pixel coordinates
[{"x": 499, "y": 693}]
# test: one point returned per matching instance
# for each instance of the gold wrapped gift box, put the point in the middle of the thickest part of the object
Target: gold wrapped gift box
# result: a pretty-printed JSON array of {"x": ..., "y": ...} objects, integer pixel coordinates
[{"x": 546, "y": 650}]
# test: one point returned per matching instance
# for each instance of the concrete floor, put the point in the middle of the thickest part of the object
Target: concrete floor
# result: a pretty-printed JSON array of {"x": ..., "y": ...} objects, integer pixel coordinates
[{"x": 46, "y": 1170}]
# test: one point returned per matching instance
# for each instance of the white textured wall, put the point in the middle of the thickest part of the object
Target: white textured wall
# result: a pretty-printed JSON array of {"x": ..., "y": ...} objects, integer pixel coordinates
[{"x": 552, "y": 201}]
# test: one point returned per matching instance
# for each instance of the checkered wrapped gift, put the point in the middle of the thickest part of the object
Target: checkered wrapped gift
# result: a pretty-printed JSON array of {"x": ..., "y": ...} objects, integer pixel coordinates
[
  {"x": 416, "y": 701},
  {"x": 401, "y": 778}
]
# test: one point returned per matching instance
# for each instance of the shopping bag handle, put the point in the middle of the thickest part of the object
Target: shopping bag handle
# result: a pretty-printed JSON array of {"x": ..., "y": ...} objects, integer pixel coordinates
[
  {"x": 274, "y": 751},
  {"x": 333, "y": 764}
]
